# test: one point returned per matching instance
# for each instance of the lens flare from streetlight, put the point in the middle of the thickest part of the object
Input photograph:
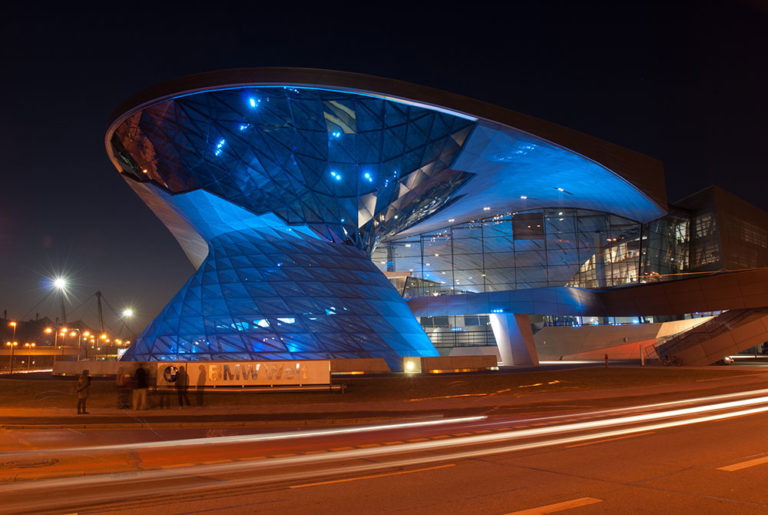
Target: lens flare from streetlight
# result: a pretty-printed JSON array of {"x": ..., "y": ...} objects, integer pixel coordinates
[
  {"x": 60, "y": 283},
  {"x": 127, "y": 312}
]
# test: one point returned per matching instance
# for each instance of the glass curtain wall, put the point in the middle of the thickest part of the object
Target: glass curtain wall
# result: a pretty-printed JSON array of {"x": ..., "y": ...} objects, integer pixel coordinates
[{"x": 549, "y": 247}]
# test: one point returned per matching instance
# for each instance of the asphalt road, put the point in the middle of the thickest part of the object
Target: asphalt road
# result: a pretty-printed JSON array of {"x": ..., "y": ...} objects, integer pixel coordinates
[{"x": 706, "y": 455}]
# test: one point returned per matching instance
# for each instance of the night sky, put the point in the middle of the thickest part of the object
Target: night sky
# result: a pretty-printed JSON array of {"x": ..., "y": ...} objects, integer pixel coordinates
[{"x": 684, "y": 83}]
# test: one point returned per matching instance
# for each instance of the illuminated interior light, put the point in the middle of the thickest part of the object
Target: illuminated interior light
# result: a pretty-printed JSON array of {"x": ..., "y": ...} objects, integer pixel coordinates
[
  {"x": 560, "y": 189},
  {"x": 451, "y": 220},
  {"x": 523, "y": 197},
  {"x": 487, "y": 208},
  {"x": 253, "y": 102},
  {"x": 336, "y": 134}
]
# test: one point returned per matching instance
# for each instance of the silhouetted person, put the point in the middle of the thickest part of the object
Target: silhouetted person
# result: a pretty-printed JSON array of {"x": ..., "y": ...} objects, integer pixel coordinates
[
  {"x": 182, "y": 383},
  {"x": 123, "y": 383},
  {"x": 200, "y": 386},
  {"x": 140, "y": 385},
  {"x": 82, "y": 388}
]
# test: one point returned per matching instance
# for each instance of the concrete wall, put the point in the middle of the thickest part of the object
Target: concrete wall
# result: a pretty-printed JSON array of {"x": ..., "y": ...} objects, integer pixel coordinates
[
  {"x": 618, "y": 341},
  {"x": 360, "y": 366},
  {"x": 492, "y": 350},
  {"x": 458, "y": 363}
]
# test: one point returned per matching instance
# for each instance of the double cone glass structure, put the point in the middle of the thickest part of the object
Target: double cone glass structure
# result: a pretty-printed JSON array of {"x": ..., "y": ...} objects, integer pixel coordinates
[{"x": 280, "y": 184}]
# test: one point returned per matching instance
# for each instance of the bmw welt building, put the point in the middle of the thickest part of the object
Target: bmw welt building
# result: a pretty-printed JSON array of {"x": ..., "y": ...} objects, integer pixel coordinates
[{"x": 338, "y": 215}]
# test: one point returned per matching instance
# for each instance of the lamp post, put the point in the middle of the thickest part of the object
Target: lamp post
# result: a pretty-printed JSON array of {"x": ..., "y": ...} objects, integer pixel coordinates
[
  {"x": 61, "y": 284},
  {"x": 79, "y": 338},
  {"x": 12, "y": 345},
  {"x": 29, "y": 346},
  {"x": 49, "y": 330}
]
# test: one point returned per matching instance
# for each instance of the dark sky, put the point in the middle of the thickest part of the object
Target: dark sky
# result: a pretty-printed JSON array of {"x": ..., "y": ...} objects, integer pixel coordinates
[{"x": 682, "y": 82}]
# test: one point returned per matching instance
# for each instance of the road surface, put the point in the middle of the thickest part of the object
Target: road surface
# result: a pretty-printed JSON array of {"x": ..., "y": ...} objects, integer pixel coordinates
[{"x": 703, "y": 454}]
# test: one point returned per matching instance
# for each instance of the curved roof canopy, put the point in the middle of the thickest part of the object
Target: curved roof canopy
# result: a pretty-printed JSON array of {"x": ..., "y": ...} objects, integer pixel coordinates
[{"x": 362, "y": 159}]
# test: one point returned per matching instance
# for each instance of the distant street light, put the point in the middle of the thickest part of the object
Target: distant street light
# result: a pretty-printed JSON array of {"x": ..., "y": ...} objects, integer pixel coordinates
[
  {"x": 12, "y": 345},
  {"x": 13, "y": 339},
  {"x": 29, "y": 347},
  {"x": 61, "y": 284},
  {"x": 55, "y": 332},
  {"x": 127, "y": 312}
]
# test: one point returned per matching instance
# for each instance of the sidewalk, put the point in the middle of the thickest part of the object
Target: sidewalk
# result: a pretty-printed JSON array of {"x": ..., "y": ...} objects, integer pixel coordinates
[{"x": 504, "y": 402}]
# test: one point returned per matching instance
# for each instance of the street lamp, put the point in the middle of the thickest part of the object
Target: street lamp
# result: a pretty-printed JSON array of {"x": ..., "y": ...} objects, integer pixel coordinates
[
  {"x": 61, "y": 284},
  {"x": 29, "y": 346},
  {"x": 13, "y": 339},
  {"x": 12, "y": 345},
  {"x": 50, "y": 330},
  {"x": 79, "y": 333}
]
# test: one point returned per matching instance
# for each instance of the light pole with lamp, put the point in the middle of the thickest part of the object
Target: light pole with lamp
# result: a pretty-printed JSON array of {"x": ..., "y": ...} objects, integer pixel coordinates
[
  {"x": 79, "y": 338},
  {"x": 49, "y": 330},
  {"x": 61, "y": 284},
  {"x": 12, "y": 345},
  {"x": 29, "y": 346},
  {"x": 13, "y": 340}
]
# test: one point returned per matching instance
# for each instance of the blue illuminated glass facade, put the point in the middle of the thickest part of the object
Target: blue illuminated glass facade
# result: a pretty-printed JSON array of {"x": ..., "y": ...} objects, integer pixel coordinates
[
  {"x": 281, "y": 195},
  {"x": 351, "y": 167},
  {"x": 274, "y": 294}
]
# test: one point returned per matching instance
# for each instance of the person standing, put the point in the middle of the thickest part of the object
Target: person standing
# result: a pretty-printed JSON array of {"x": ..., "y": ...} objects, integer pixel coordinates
[
  {"x": 140, "y": 385},
  {"x": 83, "y": 386},
  {"x": 182, "y": 383},
  {"x": 200, "y": 384},
  {"x": 123, "y": 383}
]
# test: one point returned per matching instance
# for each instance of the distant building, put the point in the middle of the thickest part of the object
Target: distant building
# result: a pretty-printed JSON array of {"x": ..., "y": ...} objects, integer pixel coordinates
[{"x": 314, "y": 203}]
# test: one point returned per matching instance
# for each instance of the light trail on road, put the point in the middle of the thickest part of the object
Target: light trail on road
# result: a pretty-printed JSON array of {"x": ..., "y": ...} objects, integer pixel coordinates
[
  {"x": 150, "y": 482},
  {"x": 216, "y": 440},
  {"x": 264, "y": 437},
  {"x": 252, "y": 472}
]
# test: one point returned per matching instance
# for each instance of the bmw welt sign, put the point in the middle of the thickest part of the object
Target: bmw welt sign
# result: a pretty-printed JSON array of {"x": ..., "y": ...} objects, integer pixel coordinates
[{"x": 246, "y": 373}]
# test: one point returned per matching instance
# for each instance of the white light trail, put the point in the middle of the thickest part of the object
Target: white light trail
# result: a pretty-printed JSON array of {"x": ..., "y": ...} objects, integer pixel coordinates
[
  {"x": 148, "y": 477},
  {"x": 217, "y": 440}
]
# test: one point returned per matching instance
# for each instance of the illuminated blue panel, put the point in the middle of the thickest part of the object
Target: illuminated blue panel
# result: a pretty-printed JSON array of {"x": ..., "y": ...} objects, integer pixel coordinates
[
  {"x": 515, "y": 171},
  {"x": 351, "y": 167},
  {"x": 273, "y": 294}
]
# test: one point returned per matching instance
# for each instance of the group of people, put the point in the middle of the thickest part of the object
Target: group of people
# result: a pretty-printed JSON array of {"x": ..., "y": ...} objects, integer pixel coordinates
[{"x": 135, "y": 387}]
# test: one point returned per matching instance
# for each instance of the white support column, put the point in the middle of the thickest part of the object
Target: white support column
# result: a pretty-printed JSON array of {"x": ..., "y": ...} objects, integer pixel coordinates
[{"x": 515, "y": 339}]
